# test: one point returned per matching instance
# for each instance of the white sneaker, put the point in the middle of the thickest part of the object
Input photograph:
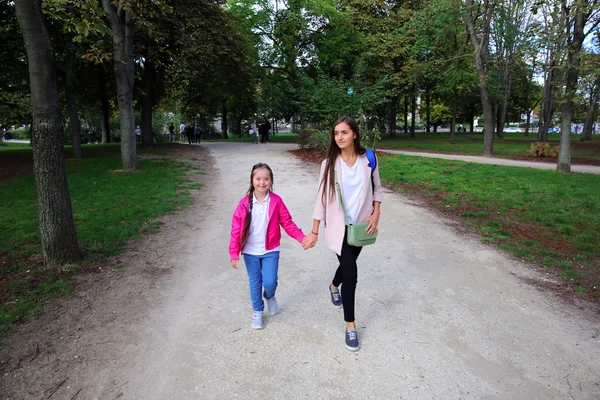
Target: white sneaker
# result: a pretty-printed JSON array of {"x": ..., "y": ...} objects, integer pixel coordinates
[
  {"x": 257, "y": 320},
  {"x": 272, "y": 305}
]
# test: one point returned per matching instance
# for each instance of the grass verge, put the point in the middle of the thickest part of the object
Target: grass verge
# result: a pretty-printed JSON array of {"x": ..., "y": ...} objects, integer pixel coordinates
[
  {"x": 514, "y": 145},
  {"x": 541, "y": 216},
  {"x": 109, "y": 207}
]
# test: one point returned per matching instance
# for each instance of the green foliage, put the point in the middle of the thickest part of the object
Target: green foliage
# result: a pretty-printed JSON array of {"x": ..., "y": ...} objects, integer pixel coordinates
[
  {"x": 440, "y": 113},
  {"x": 314, "y": 139}
]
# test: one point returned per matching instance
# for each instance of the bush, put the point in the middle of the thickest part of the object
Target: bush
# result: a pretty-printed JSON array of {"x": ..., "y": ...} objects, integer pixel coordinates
[
  {"x": 541, "y": 149},
  {"x": 313, "y": 139},
  {"x": 22, "y": 133}
]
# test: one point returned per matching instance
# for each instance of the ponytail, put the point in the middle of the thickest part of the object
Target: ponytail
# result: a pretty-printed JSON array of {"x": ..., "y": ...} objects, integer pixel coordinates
[{"x": 246, "y": 230}]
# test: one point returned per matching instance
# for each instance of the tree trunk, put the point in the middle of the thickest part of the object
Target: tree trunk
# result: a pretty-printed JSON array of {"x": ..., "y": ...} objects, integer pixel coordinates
[
  {"x": 74, "y": 122},
  {"x": 453, "y": 124},
  {"x": 528, "y": 122},
  {"x": 405, "y": 113},
  {"x": 472, "y": 118},
  {"x": 547, "y": 106},
  {"x": 148, "y": 101},
  {"x": 499, "y": 128},
  {"x": 59, "y": 238},
  {"x": 224, "y": 126},
  {"x": 428, "y": 105},
  {"x": 413, "y": 115},
  {"x": 566, "y": 110},
  {"x": 121, "y": 26},
  {"x": 393, "y": 115},
  {"x": 480, "y": 38},
  {"x": 528, "y": 95},
  {"x": 591, "y": 113},
  {"x": 104, "y": 106}
]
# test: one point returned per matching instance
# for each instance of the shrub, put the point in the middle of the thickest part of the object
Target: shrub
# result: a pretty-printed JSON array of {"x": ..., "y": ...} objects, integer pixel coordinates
[
  {"x": 541, "y": 149},
  {"x": 314, "y": 139}
]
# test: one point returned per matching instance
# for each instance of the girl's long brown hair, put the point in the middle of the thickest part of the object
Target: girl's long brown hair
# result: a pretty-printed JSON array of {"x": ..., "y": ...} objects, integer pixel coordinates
[
  {"x": 333, "y": 153},
  {"x": 250, "y": 194}
]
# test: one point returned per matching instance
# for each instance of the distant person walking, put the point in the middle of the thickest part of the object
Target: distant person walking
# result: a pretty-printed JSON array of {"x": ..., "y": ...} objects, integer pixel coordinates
[
  {"x": 138, "y": 134},
  {"x": 181, "y": 132},
  {"x": 198, "y": 134},
  {"x": 256, "y": 233},
  {"x": 346, "y": 172},
  {"x": 189, "y": 132},
  {"x": 254, "y": 131},
  {"x": 171, "y": 133}
]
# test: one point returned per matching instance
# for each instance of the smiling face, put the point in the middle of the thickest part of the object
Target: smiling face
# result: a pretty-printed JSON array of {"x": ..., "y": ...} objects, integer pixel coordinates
[
  {"x": 262, "y": 181},
  {"x": 344, "y": 136}
]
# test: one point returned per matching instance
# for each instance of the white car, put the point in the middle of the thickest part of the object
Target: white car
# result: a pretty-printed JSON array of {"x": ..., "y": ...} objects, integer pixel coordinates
[{"x": 512, "y": 130}]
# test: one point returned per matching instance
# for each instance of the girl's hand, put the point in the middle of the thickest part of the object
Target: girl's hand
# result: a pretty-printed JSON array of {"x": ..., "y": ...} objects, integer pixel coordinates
[
  {"x": 309, "y": 241},
  {"x": 234, "y": 263},
  {"x": 373, "y": 221}
]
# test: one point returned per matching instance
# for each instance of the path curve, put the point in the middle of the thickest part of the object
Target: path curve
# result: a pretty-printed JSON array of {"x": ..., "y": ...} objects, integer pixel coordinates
[
  {"x": 440, "y": 315},
  {"x": 590, "y": 169}
]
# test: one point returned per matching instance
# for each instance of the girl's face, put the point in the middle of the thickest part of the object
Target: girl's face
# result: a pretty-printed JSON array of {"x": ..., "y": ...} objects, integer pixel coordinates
[
  {"x": 344, "y": 136},
  {"x": 261, "y": 180}
]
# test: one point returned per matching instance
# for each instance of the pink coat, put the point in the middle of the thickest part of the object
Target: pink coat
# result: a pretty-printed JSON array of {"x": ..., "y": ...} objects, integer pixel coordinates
[
  {"x": 332, "y": 213},
  {"x": 278, "y": 216}
]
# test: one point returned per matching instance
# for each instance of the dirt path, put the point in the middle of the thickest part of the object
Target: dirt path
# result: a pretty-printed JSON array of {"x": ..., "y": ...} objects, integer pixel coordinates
[{"x": 440, "y": 315}]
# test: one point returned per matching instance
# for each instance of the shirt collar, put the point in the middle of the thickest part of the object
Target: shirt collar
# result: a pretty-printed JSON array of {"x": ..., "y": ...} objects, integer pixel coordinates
[{"x": 266, "y": 199}]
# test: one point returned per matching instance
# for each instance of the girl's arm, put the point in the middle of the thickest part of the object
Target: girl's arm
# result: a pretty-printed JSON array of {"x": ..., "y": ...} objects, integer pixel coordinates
[
  {"x": 288, "y": 225},
  {"x": 236, "y": 234},
  {"x": 311, "y": 239}
]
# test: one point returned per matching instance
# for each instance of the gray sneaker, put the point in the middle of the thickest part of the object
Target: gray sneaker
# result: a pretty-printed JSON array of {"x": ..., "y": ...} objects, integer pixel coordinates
[
  {"x": 257, "y": 320},
  {"x": 272, "y": 305},
  {"x": 336, "y": 297},
  {"x": 352, "y": 339}
]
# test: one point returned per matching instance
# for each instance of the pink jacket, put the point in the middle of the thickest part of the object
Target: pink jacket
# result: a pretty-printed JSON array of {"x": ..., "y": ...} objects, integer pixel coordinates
[
  {"x": 278, "y": 215},
  {"x": 332, "y": 213}
]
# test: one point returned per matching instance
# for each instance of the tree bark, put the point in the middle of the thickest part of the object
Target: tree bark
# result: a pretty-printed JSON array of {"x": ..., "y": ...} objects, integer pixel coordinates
[
  {"x": 413, "y": 115},
  {"x": 224, "y": 123},
  {"x": 591, "y": 113},
  {"x": 405, "y": 113},
  {"x": 453, "y": 124},
  {"x": 149, "y": 79},
  {"x": 566, "y": 110},
  {"x": 480, "y": 39},
  {"x": 59, "y": 238},
  {"x": 428, "y": 105},
  {"x": 472, "y": 118},
  {"x": 121, "y": 24},
  {"x": 547, "y": 106},
  {"x": 104, "y": 106},
  {"x": 393, "y": 115},
  {"x": 74, "y": 122}
]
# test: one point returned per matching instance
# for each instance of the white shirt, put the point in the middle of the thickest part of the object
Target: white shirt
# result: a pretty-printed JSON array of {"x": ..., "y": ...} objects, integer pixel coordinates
[
  {"x": 255, "y": 245},
  {"x": 352, "y": 185},
  {"x": 181, "y": 128}
]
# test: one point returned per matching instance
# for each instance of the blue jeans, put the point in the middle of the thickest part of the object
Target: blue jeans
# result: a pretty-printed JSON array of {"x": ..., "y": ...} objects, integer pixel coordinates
[{"x": 262, "y": 272}]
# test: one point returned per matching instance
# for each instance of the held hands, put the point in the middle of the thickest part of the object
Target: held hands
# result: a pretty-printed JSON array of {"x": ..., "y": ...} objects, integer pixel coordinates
[
  {"x": 309, "y": 241},
  {"x": 373, "y": 221}
]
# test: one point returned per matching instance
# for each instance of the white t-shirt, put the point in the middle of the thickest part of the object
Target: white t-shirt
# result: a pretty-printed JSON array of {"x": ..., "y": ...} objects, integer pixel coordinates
[
  {"x": 352, "y": 185},
  {"x": 181, "y": 128},
  {"x": 255, "y": 245}
]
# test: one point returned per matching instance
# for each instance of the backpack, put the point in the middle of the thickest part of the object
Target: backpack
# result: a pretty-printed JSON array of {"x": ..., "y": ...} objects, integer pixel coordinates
[{"x": 372, "y": 164}]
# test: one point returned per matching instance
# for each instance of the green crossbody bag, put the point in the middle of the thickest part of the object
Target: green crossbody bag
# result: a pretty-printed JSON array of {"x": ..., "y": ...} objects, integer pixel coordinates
[{"x": 357, "y": 233}]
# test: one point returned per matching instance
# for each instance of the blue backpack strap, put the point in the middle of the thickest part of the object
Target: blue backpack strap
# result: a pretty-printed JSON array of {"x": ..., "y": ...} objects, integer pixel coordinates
[{"x": 372, "y": 159}]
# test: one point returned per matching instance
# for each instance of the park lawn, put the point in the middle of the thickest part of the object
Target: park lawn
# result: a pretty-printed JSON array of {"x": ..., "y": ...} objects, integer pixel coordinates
[
  {"x": 109, "y": 207},
  {"x": 514, "y": 145},
  {"x": 541, "y": 216}
]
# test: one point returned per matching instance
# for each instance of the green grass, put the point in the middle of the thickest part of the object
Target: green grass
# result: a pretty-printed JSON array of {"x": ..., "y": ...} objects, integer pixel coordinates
[
  {"x": 539, "y": 215},
  {"x": 513, "y": 144},
  {"x": 109, "y": 207}
]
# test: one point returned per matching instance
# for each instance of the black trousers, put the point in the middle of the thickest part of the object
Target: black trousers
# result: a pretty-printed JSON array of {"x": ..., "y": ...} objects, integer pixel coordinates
[{"x": 347, "y": 276}]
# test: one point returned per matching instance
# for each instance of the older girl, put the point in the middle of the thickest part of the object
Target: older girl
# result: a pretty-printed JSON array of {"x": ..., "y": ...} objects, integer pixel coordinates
[{"x": 360, "y": 188}]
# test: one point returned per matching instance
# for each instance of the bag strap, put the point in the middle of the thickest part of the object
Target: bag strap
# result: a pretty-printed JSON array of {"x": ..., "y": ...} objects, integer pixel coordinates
[{"x": 341, "y": 200}]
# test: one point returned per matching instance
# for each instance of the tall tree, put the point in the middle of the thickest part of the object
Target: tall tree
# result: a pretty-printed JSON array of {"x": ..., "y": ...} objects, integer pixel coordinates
[
  {"x": 479, "y": 30},
  {"x": 120, "y": 19},
  {"x": 579, "y": 13},
  {"x": 59, "y": 238}
]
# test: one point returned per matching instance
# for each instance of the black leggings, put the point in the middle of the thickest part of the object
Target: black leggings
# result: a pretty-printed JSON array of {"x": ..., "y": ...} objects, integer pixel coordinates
[{"x": 347, "y": 276}]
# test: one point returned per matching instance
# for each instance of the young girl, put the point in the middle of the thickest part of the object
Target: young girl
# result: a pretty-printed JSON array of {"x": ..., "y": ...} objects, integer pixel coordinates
[
  {"x": 346, "y": 161},
  {"x": 256, "y": 234}
]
